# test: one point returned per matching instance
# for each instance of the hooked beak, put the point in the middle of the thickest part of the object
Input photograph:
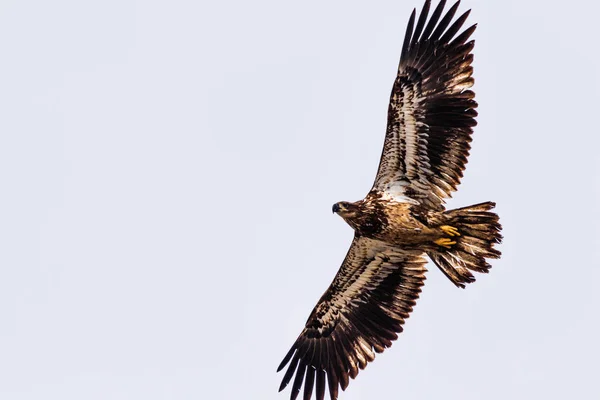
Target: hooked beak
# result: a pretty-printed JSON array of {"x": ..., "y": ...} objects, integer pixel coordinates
[{"x": 335, "y": 208}]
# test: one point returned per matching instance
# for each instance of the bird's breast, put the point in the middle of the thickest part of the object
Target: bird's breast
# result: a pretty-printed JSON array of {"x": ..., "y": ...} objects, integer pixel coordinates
[{"x": 398, "y": 224}]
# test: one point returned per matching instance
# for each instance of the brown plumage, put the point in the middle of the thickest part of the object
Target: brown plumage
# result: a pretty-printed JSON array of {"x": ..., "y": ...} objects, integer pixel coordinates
[{"x": 403, "y": 218}]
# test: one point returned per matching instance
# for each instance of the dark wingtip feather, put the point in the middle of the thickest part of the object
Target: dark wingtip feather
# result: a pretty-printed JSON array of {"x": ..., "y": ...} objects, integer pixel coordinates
[
  {"x": 332, "y": 380},
  {"x": 408, "y": 34},
  {"x": 320, "y": 384},
  {"x": 309, "y": 382},
  {"x": 445, "y": 21},
  {"x": 434, "y": 19},
  {"x": 286, "y": 359},
  {"x": 421, "y": 22},
  {"x": 455, "y": 27},
  {"x": 289, "y": 373},
  {"x": 298, "y": 380},
  {"x": 464, "y": 36}
]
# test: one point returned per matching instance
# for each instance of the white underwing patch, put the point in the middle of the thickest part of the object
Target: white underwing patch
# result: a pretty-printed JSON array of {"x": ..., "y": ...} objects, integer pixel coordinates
[{"x": 395, "y": 191}]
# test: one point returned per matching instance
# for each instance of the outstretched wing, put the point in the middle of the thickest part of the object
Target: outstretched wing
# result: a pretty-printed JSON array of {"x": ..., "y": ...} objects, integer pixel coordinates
[
  {"x": 361, "y": 312},
  {"x": 431, "y": 112}
]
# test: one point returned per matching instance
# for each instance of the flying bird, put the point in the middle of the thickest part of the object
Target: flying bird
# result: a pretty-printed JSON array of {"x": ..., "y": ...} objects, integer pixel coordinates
[{"x": 403, "y": 219}]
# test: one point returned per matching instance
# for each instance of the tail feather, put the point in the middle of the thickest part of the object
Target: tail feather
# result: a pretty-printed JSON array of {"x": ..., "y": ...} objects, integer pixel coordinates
[{"x": 479, "y": 231}]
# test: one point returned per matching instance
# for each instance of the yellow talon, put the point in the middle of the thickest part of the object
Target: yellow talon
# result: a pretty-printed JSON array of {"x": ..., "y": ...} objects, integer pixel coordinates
[
  {"x": 444, "y": 242},
  {"x": 450, "y": 230}
]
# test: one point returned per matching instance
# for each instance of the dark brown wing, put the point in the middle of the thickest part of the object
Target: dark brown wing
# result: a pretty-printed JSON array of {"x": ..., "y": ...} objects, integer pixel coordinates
[
  {"x": 361, "y": 312},
  {"x": 431, "y": 112}
]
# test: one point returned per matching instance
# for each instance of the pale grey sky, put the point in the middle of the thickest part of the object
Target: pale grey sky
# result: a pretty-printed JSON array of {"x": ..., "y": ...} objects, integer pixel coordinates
[{"x": 168, "y": 171}]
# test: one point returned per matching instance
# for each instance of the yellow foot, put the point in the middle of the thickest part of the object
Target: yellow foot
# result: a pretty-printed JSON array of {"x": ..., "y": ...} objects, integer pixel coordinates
[
  {"x": 450, "y": 230},
  {"x": 444, "y": 242}
]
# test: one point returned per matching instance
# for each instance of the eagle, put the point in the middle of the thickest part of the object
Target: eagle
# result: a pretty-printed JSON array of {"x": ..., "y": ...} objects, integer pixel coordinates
[{"x": 403, "y": 219}]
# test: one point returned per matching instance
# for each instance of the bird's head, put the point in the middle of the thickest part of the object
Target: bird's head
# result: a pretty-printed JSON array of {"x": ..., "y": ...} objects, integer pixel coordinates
[{"x": 345, "y": 209}]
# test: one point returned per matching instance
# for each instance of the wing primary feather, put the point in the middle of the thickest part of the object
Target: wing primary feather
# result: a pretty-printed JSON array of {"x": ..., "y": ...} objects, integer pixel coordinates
[
  {"x": 327, "y": 360},
  {"x": 289, "y": 373},
  {"x": 318, "y": 358},
  {"x": 407, "y": 36},
  {"x": 434, "y": 19},
  {"x": 310, "y": 353},
  {"x": 433, "y": 63},
  {"x": 455, "y": 27},
  {"x": 340, "y": 370},
  {"x": 309, "y": 382},
  {"x": 445, "y": 22},
  {"x": 298, "y": 380},
  {"x": 459, "y": 58},
  {"x": 332, "y": 360},
  {"x": 324, "y": 357},
  {"x": 421, "y": 23},
  {"x": 303, "y": 350},
  {"x": 464, "y": 36},
  {"x": 343, "y": 362},
  {"x": 287, "y": 358},
  {"x": 320, "y": 384},
  {"x": 333, "y": 384}
]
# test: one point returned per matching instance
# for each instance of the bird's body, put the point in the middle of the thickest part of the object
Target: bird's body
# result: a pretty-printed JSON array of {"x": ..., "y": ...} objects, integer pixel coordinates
[
  {"x": 379, "y": 216},
  {"x": 403, "y": 218}
]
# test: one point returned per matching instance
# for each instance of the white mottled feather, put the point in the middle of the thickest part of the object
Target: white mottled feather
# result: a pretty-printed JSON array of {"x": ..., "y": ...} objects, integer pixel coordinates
[{"x": 396, "y": 191}]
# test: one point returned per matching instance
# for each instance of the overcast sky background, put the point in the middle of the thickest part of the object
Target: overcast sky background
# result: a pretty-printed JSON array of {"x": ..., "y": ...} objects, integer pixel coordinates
[{"x": 167, "y": 171}]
